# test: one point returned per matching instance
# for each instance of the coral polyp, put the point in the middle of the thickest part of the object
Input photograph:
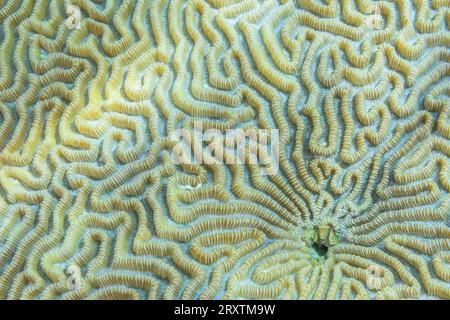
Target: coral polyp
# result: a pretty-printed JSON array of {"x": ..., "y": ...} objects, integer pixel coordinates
[{"x": 349, "y": 198}]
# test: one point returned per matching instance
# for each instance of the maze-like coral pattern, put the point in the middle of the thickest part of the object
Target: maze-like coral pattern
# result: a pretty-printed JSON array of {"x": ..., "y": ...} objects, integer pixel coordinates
[{"x": 86, "y": 178}]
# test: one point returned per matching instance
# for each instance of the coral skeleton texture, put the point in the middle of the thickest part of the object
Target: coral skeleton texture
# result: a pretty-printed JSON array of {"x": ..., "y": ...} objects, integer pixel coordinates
[{"x": 91, "y": 91}]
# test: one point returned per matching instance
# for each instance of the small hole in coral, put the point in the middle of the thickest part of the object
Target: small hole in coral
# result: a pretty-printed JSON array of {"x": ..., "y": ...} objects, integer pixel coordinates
[{"x": 320, "y": 249}]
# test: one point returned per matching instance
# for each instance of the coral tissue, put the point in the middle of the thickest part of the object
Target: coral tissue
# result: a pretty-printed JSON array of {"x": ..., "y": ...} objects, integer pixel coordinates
[{"x": 94, "y": 206}]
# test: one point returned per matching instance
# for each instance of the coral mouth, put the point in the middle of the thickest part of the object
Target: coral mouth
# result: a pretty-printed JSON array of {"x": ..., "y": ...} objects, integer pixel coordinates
[{"x": 319, "y": 251}]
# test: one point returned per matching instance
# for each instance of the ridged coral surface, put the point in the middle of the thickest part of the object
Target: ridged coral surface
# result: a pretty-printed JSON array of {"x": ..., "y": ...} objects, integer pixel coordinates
[{"x": 90, "y": 92}]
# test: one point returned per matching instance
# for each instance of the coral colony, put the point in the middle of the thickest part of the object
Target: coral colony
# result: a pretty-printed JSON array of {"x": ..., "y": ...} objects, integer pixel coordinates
[{"x": 224, "y": 149}]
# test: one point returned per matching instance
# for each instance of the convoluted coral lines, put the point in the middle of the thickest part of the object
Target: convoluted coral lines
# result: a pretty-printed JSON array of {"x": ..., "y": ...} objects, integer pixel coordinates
[{"x": 93, "y": 204}]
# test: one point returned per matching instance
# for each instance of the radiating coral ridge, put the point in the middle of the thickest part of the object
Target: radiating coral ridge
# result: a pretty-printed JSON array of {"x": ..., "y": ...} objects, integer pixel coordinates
[{"x": 93, "y": 205}]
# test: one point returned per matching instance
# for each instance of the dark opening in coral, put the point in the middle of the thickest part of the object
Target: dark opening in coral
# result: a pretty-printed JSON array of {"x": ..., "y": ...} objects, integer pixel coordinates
[{"x": 320, "y": 249}]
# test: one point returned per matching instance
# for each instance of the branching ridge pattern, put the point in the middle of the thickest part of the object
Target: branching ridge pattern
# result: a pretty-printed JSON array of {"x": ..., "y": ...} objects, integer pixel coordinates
[{"x": 90, "y": 92}]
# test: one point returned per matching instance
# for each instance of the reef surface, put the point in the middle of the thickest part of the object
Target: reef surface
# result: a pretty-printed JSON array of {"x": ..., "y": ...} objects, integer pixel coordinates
[{"x": 94, "y": 206}]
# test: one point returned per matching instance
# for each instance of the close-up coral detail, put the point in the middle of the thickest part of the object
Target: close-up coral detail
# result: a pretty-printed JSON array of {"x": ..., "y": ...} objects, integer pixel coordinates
[{"x": 94, "y": 206}]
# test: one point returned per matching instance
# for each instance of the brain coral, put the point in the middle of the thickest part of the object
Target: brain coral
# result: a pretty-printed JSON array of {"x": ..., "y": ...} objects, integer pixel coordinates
[{"x": 90, "y": 92}]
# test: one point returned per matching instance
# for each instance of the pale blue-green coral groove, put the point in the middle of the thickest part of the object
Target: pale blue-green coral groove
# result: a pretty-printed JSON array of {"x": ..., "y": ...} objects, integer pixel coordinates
[{"x": 90, "y": 92}]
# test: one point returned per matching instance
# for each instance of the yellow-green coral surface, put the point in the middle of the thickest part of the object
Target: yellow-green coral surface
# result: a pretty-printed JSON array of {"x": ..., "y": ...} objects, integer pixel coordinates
[{"x": 90, "y": 92}]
